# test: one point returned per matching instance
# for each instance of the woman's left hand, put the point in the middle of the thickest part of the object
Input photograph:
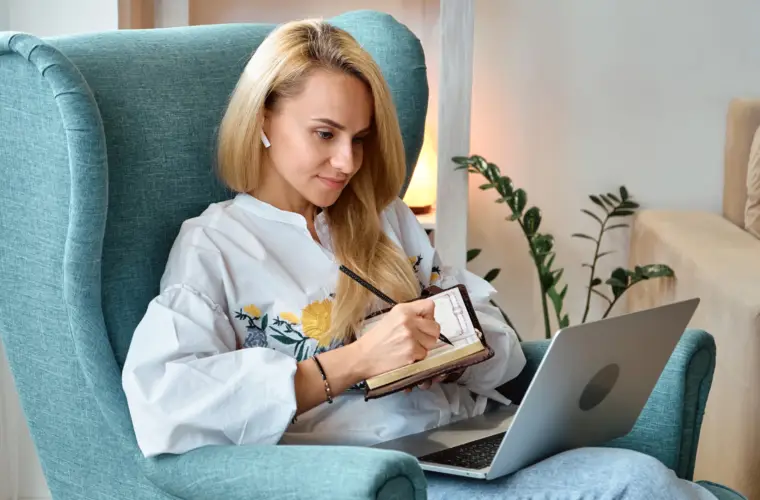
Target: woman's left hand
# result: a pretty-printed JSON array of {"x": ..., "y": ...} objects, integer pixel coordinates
[
  {"x": 450, "y": 378},
  {"x": 428, "y": 383}
]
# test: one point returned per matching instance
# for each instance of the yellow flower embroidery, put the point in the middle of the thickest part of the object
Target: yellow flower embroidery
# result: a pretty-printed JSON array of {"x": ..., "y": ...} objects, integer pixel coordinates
[
  {"x": 434, "y": 277},
  {"x": 412, "y": 260},
  {"x": 316, "y": 319},
  {"x": 252, "y": 311},
  {"x": 289, "y": 317}
]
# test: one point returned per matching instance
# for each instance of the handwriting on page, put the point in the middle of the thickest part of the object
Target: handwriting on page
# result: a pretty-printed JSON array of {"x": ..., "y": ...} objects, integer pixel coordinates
[{"x": 451, "y": 314}]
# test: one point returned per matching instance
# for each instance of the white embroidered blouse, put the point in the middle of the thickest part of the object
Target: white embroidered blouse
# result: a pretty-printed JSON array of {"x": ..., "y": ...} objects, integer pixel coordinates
[{"x": 246, "y": 294}]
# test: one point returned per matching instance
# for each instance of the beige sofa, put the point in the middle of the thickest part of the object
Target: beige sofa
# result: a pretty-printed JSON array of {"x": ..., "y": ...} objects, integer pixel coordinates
[{"x": 717, "y": 259}]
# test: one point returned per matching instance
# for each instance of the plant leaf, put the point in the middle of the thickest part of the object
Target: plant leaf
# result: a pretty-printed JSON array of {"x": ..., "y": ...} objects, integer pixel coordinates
[
  {"x": 607, "y": 201},
  {"x": 657, "y": 271},
  {"x": 557, "y": 274},
  {"x": 486, "y": 186},
  {"x": 506, "y": 188},
  {"x": 613, "y": 197},
  {"x": 596, "y": 282},
  {"x": 551, "y": 261},
  {"x": 599, "y": 202},
  {"x": 472, "y": 253},
  {"x": 618, "y": 281},
  {"x": 584, "y": 236},
  {"x": 615, "y": 226},
  {"x": 543, "y": 243},
  {"x": 563, "y": 292},
  {"x": 604, "y": 253},
  {"x": 565, "y": 321},
  {"x": 628, "y": 204},
  {"x": 492, "y": 274},
  {"x": 615, "y": 282},
  {"x": 586, "y": 265},
  {"x": 600, "y": 294},
  {"x": 540, "y": 259},
  {"x": 556, "y": 299},
  {"x": 532, "y": 220},
  {"x": 620, "y": 274},
  {"x": 513, "y": 217},
  {"x": 518, "y": 201},
  {"x": 592, "y": 214},
  {"x": 621, "y": 213},
  {"x": 283, "y": 339},
  {"x": 493, "y": 171},
  {"x": 461, "y": 160},
  {"x": 264, "y": 322},
  {"x": 623, "y": 193}
]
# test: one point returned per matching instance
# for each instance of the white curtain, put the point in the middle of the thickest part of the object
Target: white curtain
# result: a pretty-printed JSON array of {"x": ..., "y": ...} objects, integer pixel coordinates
[{"x": 9, "y": 431}]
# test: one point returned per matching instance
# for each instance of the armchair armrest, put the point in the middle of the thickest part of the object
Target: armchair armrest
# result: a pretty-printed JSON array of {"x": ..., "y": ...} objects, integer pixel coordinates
[
  {"x": 315, "y": 472},
  {"x": 668, "y": 427}
]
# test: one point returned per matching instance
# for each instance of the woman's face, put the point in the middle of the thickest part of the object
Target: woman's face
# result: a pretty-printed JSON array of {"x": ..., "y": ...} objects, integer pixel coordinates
[{"x": 317, "y": 138}]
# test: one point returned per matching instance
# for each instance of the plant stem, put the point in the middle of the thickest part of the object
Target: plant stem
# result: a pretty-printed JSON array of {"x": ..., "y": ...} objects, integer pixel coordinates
[
  {"x": 593, "y": 269},
  {"x": 544, "y": 306},
  {"x": 612, "y": 304}
]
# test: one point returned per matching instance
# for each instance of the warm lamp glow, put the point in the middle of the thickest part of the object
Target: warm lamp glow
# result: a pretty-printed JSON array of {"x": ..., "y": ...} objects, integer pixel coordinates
[{"x": 421, "y": 194}]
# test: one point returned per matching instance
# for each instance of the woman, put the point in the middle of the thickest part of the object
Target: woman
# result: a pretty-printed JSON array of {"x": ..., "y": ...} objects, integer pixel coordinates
[{"x": 251, "y": 338}]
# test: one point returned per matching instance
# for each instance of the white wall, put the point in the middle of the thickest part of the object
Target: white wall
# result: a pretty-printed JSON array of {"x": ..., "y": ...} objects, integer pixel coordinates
[
  {"x": 4, "y": 15},
  {"x": 577, "y": 97},
  {"x": 171, "y": 13},
  {"x": 62, "y": 17}
]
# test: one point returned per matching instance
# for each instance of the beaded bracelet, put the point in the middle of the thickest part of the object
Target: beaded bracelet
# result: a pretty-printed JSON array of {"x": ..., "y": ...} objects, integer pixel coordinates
[{"x": 324, "y": 378}]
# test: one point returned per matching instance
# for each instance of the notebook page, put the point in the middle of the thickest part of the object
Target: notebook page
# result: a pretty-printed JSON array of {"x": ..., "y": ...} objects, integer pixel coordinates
[{"x": 451, "y": 314}]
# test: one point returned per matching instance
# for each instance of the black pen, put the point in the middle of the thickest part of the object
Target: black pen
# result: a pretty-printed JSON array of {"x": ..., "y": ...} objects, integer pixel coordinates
[
  {"x": 380, "y": 294},
  {"x": 443, "y": 337}
]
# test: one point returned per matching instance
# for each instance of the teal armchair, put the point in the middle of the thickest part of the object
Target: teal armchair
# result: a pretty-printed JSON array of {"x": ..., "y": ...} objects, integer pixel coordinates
[{"x": 106, "y": 146}]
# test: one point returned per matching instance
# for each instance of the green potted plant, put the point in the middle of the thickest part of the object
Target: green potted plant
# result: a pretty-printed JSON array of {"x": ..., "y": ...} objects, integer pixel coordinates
[{"x": 611, "y": 208}]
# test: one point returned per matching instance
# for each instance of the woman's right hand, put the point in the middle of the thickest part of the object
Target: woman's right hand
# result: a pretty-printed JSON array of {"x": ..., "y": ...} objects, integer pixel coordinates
[{"x": 404, "y": 335}]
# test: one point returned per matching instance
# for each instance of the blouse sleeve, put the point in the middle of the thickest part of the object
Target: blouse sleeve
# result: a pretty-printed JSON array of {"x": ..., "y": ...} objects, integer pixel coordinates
[
  {"x": 187, "y": 385},
  {"x": 509, "y": 359}
]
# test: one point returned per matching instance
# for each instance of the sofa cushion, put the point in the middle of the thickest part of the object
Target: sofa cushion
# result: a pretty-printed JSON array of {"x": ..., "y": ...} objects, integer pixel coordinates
[{"x": 752, "y": 209}]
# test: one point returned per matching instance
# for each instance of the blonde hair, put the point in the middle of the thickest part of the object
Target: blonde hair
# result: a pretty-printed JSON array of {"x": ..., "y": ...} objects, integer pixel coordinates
[{"x": 277, "y": 70}]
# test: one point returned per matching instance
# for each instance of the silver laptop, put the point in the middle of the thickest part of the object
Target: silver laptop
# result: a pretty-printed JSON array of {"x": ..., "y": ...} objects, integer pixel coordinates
[{"x": 590, "y": 388}]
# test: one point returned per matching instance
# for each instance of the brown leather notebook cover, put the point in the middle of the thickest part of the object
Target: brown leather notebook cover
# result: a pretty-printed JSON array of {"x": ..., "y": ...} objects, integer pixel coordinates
[{"x": 469, "y": 350}]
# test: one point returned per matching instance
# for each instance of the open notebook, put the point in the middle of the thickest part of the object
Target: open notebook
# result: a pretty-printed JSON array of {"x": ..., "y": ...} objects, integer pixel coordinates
[{"x": 455, "y": 314}]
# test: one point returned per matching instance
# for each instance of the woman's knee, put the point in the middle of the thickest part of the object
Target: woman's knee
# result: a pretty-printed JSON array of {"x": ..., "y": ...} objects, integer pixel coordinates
[
  {"x": 639, "y": 465},
  {"x": 636, "y": 474}
]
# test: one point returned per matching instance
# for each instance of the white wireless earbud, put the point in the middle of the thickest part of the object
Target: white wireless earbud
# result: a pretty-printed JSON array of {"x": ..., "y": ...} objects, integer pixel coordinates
[{"x": 265, "y": 140}]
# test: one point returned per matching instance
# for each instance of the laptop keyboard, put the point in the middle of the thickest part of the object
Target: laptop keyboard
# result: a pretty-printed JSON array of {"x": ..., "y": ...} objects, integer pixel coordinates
[{"x": 473, "y": 455}]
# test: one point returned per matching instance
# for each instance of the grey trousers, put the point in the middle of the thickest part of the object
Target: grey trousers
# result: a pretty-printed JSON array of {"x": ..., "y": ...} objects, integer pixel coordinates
[{"x": 582, "y": 474}]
